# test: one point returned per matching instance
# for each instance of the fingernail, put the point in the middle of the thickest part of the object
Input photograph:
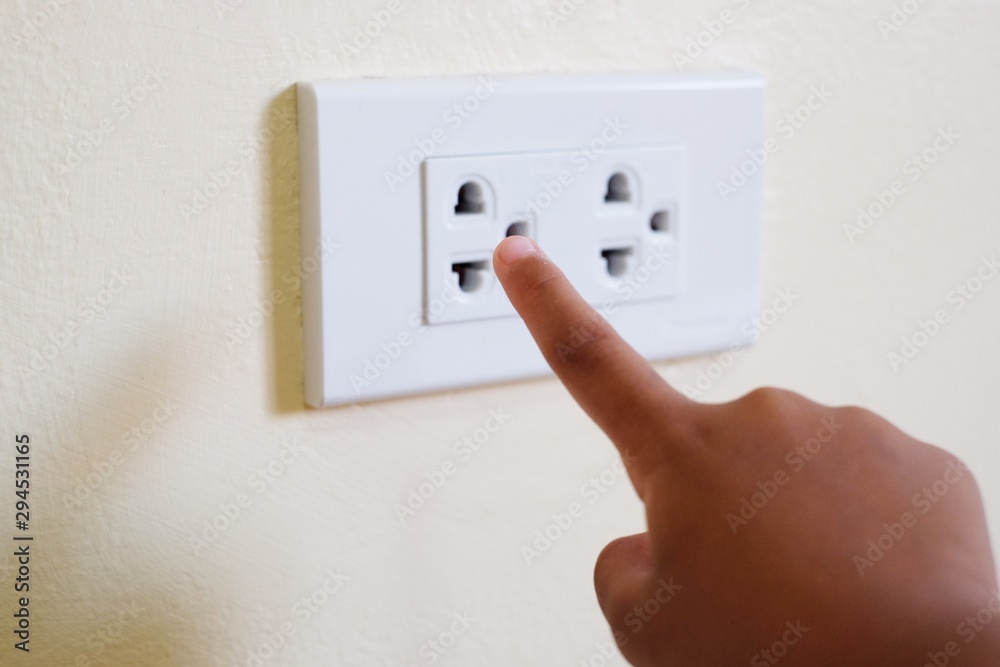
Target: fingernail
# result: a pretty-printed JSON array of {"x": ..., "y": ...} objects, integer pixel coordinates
[{"x": 516, "y": 248}]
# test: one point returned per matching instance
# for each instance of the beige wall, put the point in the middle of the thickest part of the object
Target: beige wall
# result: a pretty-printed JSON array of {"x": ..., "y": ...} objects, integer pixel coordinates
[{"x": 154, "y": 304}]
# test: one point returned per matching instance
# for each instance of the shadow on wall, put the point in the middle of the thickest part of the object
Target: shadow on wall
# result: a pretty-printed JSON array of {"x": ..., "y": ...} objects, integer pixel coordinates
[
  {"x": 282, "y": 290},
  {"x": 119, "y": 602}
]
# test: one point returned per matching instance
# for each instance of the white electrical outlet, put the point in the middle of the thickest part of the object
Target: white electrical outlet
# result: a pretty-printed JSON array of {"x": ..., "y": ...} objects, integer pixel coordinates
[{"x": 407, "y": 186}]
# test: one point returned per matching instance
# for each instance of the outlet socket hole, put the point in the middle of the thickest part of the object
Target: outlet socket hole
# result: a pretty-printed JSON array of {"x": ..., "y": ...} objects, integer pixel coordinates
[
  {"x": 619, "y": 190},
  {"x": 470, "y": 200},
  {"x": 660, "y": 222},
  {"x": 471, "y": 275},
  {"x": 519, "y": 228},
  {"x": 618, "y": 261}
]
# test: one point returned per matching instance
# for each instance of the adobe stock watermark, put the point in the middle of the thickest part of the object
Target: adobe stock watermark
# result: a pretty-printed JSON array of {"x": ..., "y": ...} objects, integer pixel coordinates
[
  {"x": 631, "y": 284},
  {"x": 464, "y": 450},
  {"x": 40, "y": 359},
  {"x": 928, "y": 329},
  {"x": 642, "y": 615},
  {"x": 697, "y": 45},
  {"x": 232, "y": 510},
  {"x": 300, "y": 613},
  {"x": 786, "y": 128},
  {"x": 580, "y": 161},
  {"x": 899, "y": 17},
  {"x": 635, "y": 620},
  {"x": 372, "y": 368},
  {"x": 563, "y": 521},
  {"x": 377, "y": 23},
  {"x": 389, "y": 352},
  {"x": 253, "y": 145},
  {"x": 793, "y": 634},
  {"x": 627, "y": 288},
  {"x": 122, "y": 108},
  {"x": 605, "y": 651},
  {"x": 796, "y": 459},
  {"x": 970, "y": 628},
  {"x": 108, "y": 636},
  {"x": 434, "y": 648},
  {"x": 130, "y": 441},
  {"x": 34, "y": 24},
  {"x": 913, "y": 169},
  {"x": 921, "y": 505},
  {"x": 563, "y": 12},
  {"x": 753, "y": 329},
  {"x": 261, "y": 312},
  {"x": 453, "y": 118}
]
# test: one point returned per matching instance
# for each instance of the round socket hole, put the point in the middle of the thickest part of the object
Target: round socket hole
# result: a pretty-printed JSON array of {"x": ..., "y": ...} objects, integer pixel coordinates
[
  {"x": 519, "y": 228},
  {"x": 617, "y": 261},
  {"x": 472, "y": 276},
  {"x": 619, "y": 189},
  {"x": 660, "y": 222},
  {"x": 471, "y": 200}
]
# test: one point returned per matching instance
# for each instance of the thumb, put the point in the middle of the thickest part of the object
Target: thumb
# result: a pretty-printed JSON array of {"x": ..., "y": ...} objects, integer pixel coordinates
[{"x": 623, "y": 576}]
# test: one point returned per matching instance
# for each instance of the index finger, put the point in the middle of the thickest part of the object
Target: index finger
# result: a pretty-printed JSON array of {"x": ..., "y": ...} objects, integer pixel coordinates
[{"x": 612, "y": 382}]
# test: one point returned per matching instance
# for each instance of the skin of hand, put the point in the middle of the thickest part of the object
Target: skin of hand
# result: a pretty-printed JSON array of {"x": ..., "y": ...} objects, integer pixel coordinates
[{"x": 779, "y": 530}]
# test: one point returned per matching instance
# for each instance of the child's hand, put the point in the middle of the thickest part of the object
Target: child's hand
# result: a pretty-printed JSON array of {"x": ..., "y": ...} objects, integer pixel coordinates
[{"x": 780, "y": 530}]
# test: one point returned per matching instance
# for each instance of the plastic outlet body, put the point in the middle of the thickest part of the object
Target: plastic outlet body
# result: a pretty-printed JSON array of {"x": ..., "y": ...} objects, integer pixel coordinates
[{"x": 625, "y": 180}]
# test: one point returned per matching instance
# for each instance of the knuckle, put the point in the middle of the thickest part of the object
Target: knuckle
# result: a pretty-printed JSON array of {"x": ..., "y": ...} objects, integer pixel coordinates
[
  {"x": 856, "y": 413},
  {"x": 768, "y": 416},
  {"x": 873, "y": 428},
  {"x": 768, "y": 400}
]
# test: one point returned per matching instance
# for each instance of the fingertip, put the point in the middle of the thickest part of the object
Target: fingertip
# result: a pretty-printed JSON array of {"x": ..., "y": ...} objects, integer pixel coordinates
[{"x": 513, "y": 249}]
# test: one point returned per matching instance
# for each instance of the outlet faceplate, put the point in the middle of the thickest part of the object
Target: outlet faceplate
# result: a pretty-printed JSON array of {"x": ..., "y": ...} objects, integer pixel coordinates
[
  {"x": 610, "y": 220},
  {"x": 408, "y": 185}
]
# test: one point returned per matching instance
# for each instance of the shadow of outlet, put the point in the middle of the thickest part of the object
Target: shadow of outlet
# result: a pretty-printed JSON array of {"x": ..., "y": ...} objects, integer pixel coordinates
[{"x": 282, "y": 285}]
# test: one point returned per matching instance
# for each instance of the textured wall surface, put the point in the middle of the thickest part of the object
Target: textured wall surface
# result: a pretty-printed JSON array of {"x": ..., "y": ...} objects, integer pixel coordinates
[{"x": 187, "y": 510}]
